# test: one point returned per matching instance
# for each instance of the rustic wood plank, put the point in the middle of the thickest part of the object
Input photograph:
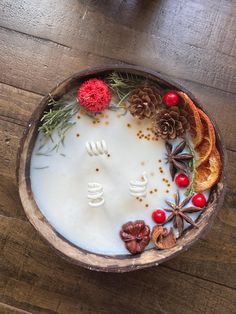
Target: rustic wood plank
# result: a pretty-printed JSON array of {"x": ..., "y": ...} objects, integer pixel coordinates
[
  {"x": 193, "y": 42},
  {"x": 8, "y": 309},
  {"x": 185, "y": 39},
  {"x": 17, "y": 105},
  {"x": 36, "y": 280},
  {"x": 53, "y": 64}
]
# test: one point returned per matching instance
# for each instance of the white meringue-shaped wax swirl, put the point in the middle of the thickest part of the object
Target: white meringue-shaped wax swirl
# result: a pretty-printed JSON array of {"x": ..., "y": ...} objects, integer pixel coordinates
[
  {"x": 95, "y": 194},
  {"x": 139, "y": 188},
  {"x": 96, "y": 148}
]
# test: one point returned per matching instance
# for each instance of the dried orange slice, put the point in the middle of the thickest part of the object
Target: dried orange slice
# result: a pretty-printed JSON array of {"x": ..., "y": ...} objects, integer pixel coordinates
[
  {"x": 208, "y": 173},
  {"x": 207, "y": 144},
  {"x": 196, "y": 129}
]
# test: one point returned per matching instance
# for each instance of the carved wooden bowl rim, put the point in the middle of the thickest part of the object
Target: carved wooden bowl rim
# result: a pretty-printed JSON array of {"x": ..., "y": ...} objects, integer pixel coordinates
[{"x": 76, "y": 255}]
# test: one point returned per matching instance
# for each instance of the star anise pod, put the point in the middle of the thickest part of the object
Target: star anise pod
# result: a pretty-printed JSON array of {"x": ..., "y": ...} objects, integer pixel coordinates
[
  {"x": 136, "y": 235},
  {"x": 177, "y": 160},
  {"x": 179, "y": 213}
]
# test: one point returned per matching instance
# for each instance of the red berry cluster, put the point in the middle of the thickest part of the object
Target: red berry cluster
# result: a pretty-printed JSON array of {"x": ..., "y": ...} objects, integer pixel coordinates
[{"x": 94, "y": 95}]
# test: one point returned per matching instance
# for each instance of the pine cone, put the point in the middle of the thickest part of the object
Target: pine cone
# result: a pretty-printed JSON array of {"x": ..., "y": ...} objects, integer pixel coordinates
[
  {"x": 171, "y": 123},
  {"x": 144, "y": 102}
]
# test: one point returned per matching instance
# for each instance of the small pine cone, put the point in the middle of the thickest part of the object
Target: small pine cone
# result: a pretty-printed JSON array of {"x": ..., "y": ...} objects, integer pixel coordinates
[
  {"x": 171, "y": 123},
  {"x": 144, "y": 102}
]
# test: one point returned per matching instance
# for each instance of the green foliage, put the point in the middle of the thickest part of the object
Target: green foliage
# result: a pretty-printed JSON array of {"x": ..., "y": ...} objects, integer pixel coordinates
[
  {"x": 192, "y": 165},
  {"x": 122, "y": 84},
  {"x": 58, "y": 118}
]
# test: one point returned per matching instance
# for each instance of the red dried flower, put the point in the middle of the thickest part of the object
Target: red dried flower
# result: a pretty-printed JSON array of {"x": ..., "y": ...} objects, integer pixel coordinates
[
  {"x": 136, "y": 236},
  {"x": 94, "y": 95}
]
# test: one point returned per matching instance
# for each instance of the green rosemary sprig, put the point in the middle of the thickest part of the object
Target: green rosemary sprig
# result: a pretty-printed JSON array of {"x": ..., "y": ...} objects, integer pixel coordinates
[
  {"x": 190, "y": 190},
  {"x": 123, "y": 83},
  {"x": 58, "y": 118}
]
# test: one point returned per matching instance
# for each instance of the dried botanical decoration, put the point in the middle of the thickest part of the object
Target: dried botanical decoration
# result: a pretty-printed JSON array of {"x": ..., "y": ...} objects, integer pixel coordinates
[
  {"x": 171, "y": 123},
  {"x": 94, "y": 95},
  {"x": 196, "y": 128},
  {"x": 208, "y": 173},
  {"x": 162, "y": 238},
  {"x": 144, "y": 102},
  {"x": 178, "y": 161},
  {"x": 122, "y": 84},
  {"x": 58, "y": 118},
  {"x": 179, "y": 213},
  {"x": 136, "y": 236},
  {"x": 208, "y": 142}
]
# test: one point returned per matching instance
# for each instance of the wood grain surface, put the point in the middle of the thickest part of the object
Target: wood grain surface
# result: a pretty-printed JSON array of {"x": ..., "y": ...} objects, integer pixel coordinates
[{"x": 193, "y": 42}]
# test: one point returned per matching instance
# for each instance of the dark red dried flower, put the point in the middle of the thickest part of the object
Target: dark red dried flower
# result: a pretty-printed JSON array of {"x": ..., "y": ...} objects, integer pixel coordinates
[
  {"x": 136, "y": 235},
  {"x": 94, "y": 95}
]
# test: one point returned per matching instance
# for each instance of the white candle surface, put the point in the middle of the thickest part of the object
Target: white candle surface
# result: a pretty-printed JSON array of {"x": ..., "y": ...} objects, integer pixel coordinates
[{"x": 59, "y": 180}]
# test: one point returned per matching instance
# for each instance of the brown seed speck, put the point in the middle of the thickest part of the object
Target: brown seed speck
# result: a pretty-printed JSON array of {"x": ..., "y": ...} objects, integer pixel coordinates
[
  {"x": 168, "y": 184},
  {"x": 155, "y": 190},
  {"x": 142, "y": 163},
  {"x": 159, "y": 160},
  {"x": 161, "y": 171},
  {"x": 128, "y": 125},
  {"x": 78, "y": 135},
  {"x": 146, "y": 205},
  {"x": 108, "y": 155},
  {"x": 151, "y": 192},
  {"x": 78, "y": 117},
  {"x": 140, "y": 200},
  {"x": 97, "y": 169},
  {"x": 167, "y": 191}
]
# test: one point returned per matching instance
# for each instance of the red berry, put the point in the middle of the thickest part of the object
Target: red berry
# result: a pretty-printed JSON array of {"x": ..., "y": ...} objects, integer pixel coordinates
[
  {"x": 182, "y": 180},
  {"x": 159, "y": 216},
  {"x": 171, "y": 99},
  {"x": 199, "y": 200}
]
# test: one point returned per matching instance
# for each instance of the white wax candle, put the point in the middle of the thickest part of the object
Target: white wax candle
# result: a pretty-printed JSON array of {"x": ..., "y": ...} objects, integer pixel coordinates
[{"x": 60, "y": 180}]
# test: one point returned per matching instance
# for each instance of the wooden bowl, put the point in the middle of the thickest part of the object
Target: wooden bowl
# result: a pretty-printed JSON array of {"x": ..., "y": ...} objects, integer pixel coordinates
[{"x": 76, "y": 255}]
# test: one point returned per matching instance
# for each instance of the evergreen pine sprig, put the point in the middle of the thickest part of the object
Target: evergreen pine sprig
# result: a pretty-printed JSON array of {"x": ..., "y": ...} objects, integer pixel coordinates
[
  {"x": 58, "y": 118},
  {"x": 123, "y": 83}
]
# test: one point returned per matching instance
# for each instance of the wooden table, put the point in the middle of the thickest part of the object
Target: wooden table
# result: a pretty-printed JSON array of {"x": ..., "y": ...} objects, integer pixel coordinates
[{"x": 193, "y": 42}]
